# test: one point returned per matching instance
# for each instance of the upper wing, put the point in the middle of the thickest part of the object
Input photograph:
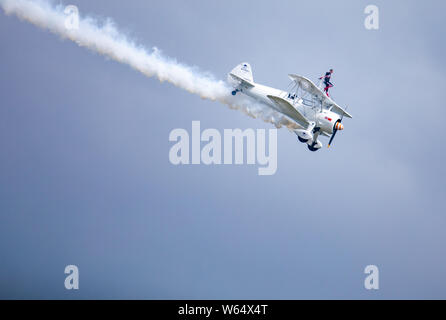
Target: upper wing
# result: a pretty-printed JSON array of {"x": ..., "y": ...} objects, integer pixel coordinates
[
  {"x": 312, "y": 89},
  {"x": 287, "y": 109}
]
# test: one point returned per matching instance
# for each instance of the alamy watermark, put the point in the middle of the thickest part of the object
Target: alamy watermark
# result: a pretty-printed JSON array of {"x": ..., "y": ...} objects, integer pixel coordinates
[
  {"x": 371, "y": 21},
  {"x": 72, "y": 280},
  {"x": 371, "y": 282},
  {"x": 72, "y": 19},
  {"x": 227, "y": 148}
]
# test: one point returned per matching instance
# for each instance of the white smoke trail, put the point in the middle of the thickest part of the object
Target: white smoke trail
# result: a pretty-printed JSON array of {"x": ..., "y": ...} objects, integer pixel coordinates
[{"x": 105, "y": 38}]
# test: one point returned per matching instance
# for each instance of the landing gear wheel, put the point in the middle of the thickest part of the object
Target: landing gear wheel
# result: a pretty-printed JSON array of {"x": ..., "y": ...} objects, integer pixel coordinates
[
  {"x": 302, "y": 140},
  {"x": 311, "y": 148},
  {"x": 234, "y": 92}
]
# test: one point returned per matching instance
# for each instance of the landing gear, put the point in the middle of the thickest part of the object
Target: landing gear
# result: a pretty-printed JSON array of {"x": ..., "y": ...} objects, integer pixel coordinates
[
  {"x": 302, "y": 140},
  {"x": 310, "y": 136},
  {"x": 235, "y": 92},
  {"x": 313, "y": 149}
]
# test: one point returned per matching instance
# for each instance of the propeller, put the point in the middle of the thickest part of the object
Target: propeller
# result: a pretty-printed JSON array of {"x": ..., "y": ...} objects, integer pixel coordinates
[{"x": 338, "y": 126}]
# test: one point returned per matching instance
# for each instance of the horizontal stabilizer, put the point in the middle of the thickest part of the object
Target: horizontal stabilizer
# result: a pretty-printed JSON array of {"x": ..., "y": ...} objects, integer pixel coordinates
[{"x": 242, "y": 82}]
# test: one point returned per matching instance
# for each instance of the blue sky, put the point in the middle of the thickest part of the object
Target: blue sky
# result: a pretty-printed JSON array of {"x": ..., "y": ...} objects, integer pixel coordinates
[{"x": 85, "y": 177}]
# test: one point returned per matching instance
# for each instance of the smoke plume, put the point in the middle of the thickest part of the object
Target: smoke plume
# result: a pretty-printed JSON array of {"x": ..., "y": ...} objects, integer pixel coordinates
[{"x": 104, "y": 38}]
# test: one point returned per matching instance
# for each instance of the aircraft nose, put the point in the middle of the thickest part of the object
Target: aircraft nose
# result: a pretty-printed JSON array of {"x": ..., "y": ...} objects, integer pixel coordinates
[{"x": 339, "y": 126}]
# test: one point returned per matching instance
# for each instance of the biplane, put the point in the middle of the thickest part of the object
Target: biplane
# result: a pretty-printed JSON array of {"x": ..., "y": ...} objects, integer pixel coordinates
[{"x": 306, "y": 104}]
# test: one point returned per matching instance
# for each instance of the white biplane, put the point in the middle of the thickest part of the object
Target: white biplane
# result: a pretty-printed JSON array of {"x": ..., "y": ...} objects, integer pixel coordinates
[{"x": 306, "y": 104}]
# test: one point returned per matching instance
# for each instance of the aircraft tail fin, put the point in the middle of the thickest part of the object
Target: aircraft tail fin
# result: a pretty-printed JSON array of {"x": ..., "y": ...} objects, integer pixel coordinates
[{"x": 244, "y": 72}]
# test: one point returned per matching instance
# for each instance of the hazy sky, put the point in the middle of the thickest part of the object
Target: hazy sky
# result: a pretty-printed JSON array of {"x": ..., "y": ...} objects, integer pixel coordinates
[{"x": 85, "y": 176}]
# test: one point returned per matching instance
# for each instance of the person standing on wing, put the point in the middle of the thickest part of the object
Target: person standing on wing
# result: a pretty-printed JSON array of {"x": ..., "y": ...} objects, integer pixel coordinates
[{"x": 327, "y": 82}]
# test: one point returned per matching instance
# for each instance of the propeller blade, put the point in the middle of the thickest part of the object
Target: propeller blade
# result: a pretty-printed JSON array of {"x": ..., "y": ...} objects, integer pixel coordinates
[
  {"x": 335, "y": 131},
  {"x": 332, "y": 137}
]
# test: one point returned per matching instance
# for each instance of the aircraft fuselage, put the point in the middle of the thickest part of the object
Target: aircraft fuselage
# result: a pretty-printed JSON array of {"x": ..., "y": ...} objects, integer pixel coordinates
[{"x": 324, "y": 118}]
